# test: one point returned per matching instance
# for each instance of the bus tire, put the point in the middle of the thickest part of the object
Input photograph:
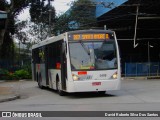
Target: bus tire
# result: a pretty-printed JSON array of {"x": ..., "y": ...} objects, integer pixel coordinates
[
  {"x": 37, "y": 77},
  {"x": 60, "y": 92},
  {"x": 40, "y": 82}
]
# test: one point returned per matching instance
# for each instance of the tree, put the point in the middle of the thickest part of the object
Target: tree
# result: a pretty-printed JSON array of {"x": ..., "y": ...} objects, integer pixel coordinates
[
  {"x": 13, "y": 8},
  {"x": 6, "y": 49},
  {"x": 43, "y": 16},
  {"x": 62, "y": 24},
  {"x": 83, "y": 14},
  {"x": 20, "y": 34}
]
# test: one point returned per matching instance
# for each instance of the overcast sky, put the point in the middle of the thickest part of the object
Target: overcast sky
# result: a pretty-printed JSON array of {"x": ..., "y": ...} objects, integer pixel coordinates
[{"x": 60, "y": 6}]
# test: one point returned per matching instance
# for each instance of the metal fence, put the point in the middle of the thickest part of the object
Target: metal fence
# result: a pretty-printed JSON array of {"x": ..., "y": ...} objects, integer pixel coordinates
[
  {"x": 142, "y": 69},
  {"x": 13, "y": 66},
  {"x": 8, "y": 65}
]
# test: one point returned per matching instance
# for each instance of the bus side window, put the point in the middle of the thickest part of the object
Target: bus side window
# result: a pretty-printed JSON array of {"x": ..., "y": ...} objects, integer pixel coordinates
[
  {"x": 35, "y": 56},
  {"x": 42, "y": 54},
  {"x": 53, "y": 55}
]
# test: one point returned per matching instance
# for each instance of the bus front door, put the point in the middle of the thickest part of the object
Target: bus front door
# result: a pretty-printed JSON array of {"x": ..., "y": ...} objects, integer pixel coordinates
[{"x": 63, "y": 66}]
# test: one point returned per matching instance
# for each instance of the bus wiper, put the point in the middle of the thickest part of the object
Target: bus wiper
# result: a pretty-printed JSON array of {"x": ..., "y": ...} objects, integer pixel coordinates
[{"x": 85, "y": 48}]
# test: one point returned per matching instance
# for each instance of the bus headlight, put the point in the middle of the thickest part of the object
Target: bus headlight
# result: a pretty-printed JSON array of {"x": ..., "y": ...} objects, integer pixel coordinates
[
  {"x": 115, "y": 75},
  {"x": 75, "y": 77}
]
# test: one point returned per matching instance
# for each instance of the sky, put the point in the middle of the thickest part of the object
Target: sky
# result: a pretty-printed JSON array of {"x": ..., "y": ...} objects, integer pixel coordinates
[{"x": 61, "y": 6}]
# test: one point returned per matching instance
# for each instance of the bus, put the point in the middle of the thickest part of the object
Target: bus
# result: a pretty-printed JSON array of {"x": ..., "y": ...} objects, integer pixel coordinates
[{"x": 78, "y": 61}]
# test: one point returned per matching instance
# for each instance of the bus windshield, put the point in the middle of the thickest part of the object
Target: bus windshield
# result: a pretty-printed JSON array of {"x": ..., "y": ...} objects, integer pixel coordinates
[{"x": 93, "y": 55}]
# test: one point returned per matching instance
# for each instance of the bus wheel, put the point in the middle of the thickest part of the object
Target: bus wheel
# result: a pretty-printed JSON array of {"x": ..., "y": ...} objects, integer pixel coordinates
[
  {"x": 60, "y": 92},
  {"x": 40, "y": 82}
]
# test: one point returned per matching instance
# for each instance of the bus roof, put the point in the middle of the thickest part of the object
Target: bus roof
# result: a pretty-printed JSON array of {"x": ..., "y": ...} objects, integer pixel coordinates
[
  {"x": 49, "y": 40},
  {"x": 91, "y": 31}
]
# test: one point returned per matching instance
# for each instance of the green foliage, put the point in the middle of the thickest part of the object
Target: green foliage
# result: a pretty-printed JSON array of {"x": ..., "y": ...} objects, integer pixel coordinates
[
  {"x": 19, "y": 33},
  {"x": 3, "y": 72},
  {"x": 28, "y": 69},
  {"x": 40, "y": 12},
  {"x": 7, "y": 48},
  {"x": 17, "y": 6},
  {"x": 19, "y": 74},
  {"x": 13, "y": 8},
  {"x": 3, "y": 4},
  {"x": 43, "y": 16},
  {"x": 83, "y": 13},
  {"x": 22, "y": 74},
  {"x": 62, "y": 24}
]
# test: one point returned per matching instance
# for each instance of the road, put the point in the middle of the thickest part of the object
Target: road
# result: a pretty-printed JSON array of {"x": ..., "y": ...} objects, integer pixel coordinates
[{"x": 135, "y": 95}]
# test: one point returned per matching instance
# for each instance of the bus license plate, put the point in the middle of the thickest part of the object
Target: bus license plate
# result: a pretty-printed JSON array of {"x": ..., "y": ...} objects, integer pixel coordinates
[{"x": 96, "y": 83}]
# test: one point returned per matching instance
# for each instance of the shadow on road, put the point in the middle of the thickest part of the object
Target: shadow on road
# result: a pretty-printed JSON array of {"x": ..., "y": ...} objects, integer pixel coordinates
[
  {"x": 88, "y": 95},
  {"x": 82, "y": 94}
]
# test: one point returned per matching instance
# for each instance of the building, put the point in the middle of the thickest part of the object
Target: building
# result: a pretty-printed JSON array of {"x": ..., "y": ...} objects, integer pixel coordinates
[
  {"x": 137, "y": 25},
  {"x": 3, "y": 17}
]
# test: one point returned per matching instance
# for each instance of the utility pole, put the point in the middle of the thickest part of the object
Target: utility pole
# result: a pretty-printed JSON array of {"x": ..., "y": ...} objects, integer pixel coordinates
[{"x": 49, "y": 27}]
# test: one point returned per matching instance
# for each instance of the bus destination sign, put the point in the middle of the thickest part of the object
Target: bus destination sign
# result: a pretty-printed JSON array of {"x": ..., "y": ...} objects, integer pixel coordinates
[{"x": 95, "y": 36}]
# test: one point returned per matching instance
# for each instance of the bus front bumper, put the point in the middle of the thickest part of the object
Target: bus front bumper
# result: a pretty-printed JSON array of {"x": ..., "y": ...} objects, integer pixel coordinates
[{"x": 94, "y": 85}]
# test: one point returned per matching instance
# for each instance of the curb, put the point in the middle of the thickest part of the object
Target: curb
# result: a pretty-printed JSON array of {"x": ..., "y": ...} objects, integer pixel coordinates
[
  {"x": 10, "y": 98},
  {"x": 135, "y": 78},
  {"x": 2, "y": 81}
]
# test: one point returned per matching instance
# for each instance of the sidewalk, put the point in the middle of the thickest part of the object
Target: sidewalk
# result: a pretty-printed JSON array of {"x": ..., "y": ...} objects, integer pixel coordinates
[{"x": 9, "y": 91}]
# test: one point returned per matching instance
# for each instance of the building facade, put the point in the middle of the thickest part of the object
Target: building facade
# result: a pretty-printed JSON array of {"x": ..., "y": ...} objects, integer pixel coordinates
[{"x": 137, "y": 25}]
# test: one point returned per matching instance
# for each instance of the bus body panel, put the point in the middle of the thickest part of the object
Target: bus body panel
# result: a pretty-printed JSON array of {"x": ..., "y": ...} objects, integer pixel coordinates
[
  {"x": 95, "y": 75},
  {"x": 53, "y": 74},
  {"x": 41, "y": 73},
  {"x": 87, "y": 86}
]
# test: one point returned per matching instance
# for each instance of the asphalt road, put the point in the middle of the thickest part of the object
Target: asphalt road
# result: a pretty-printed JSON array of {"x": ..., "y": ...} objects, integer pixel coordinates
[{"x": 135, "y": 95}]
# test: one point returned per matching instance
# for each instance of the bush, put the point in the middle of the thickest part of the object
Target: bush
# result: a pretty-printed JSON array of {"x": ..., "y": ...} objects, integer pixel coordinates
[
  {"x": 19, "y": 74},
  {"x": 3, "y": 74},
  {"x": 22, "y": 74},
  {"x": 27, "y": 68},
  {"x": 3, "y": 71}
]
